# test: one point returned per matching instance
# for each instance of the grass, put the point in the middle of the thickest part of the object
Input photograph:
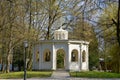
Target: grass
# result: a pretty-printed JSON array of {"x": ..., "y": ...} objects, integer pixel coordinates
[
  {"x": 30, "y": 74},
  {"x": 94, "y": 74}
]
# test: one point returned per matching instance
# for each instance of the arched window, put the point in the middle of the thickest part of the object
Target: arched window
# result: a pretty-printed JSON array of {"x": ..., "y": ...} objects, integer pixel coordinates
[
  {"x": 83, "y": 56},
  {"x": 37, "y": 56},
  {"x": 74, "y": 56},
  {"x": 47, "y": 55}
]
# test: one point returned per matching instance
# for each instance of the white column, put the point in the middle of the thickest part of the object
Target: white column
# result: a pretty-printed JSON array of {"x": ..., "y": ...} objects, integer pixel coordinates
[
  {"x": 87, "y": 52},
  {"x": 80, "y": 57},
  {"x": 53, "y": 57},
  {"x": 68, "y": 57}
]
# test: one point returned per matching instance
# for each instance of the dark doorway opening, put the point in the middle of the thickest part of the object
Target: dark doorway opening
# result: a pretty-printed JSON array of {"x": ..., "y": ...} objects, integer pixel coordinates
[{"x": 60, "y": 59}]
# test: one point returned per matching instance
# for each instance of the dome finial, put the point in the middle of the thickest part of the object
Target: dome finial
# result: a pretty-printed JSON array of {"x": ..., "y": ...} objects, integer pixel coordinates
[{"x": 61, "y": 27}]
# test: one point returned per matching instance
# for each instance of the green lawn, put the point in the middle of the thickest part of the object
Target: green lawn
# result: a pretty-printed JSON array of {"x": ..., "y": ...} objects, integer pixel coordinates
[
  {"x": 95, "y": 74},
  {"x": 30, "y": 74}
]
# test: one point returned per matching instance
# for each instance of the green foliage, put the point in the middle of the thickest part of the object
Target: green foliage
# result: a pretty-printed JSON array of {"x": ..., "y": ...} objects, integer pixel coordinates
[
  {"x": 30, "y": 74},
  {"x": 111, "y": 48},
  {"x": 93, "y": 60},
  {"x": 60, "y": 60},
  {"x": 114, "y": 51},
  {"x": 107, "y": 25},
  {"x": 93, "y": 53},
  {"x": 95, "y": 74}
]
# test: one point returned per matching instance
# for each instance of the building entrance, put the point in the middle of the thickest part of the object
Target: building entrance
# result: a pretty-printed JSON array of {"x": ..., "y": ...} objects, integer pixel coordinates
[{"x": 60, "y": 59}]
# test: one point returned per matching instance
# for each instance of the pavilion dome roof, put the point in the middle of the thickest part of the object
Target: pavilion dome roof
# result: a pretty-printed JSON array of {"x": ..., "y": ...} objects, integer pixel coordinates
[{"x": 61, "y": 34}]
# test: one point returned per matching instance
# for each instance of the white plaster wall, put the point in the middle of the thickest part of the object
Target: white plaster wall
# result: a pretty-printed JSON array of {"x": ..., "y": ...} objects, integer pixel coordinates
[
  {"x": 74, "y": 65},
  {"x": 42, "y": 64},
  {"x": 53, "y": 47},
  {"x": 85, "y": 64}
]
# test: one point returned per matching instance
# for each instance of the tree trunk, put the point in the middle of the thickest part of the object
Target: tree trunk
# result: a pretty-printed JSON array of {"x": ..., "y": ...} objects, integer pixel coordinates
[
  {"x": 9, "y": 47},
  {"x": 49, "y": 25},
  {"x": 3, "y": 52},
  {"x": 117, "y": 23},
  {"x": 29, "y": 62},
  {"x": 48, "y": 32},
  {"x": 12, "y": 66},
  {"x": 9, "y": 53},
  {"x": 3, "y": 67},
  {"x": 8, "y": 64},
  {"x": 118, "y": 35}
]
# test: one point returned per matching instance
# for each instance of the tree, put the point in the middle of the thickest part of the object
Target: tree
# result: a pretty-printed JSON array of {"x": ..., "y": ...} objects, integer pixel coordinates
[
  {"x": 110, "y": 28},
  {"x": 14, "y": 28}
]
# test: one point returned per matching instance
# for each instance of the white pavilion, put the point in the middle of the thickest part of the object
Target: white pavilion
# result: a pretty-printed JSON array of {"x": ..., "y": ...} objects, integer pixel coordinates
[{"x": 62, "y": 53}]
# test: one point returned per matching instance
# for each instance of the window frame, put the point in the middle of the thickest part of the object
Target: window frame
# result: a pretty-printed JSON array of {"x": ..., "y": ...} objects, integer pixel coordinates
[
  {"x": 83, "y": 56},
  {"x": 47, "y": 55},
  {"x": 74, "y": 55}
]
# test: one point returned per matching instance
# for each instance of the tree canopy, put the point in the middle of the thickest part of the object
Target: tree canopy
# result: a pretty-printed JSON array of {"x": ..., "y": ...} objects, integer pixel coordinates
[{"x": 33, "y": 20}]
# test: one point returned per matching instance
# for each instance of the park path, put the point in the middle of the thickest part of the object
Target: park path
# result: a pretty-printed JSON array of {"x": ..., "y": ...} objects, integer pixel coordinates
[{"x": 60, "y": 74}]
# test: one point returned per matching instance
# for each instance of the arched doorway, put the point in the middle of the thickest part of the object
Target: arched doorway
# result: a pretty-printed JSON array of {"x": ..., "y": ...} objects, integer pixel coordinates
[{"x": 60, "y": 59}]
